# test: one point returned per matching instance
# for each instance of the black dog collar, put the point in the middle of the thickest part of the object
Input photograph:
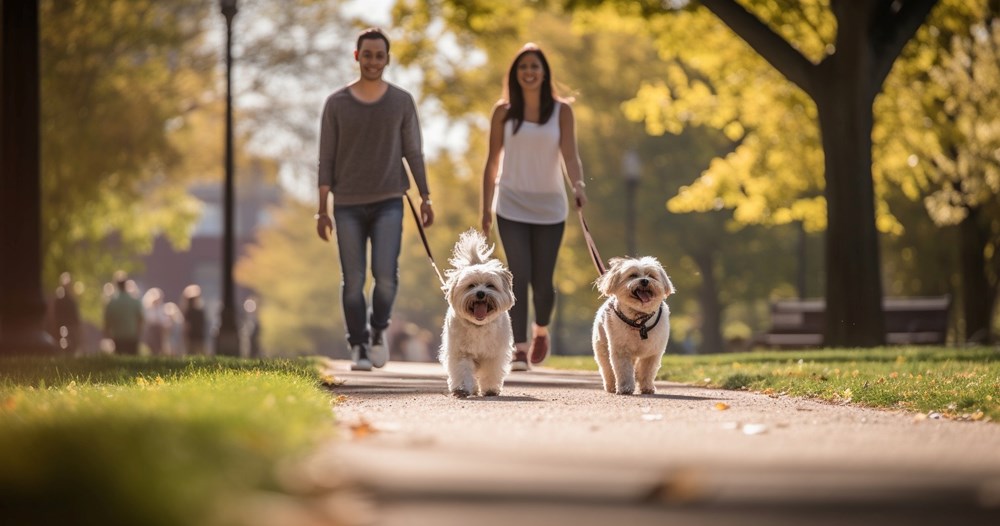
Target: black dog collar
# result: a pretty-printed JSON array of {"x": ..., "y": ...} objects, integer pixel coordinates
[{"x": 640, "y": 322}]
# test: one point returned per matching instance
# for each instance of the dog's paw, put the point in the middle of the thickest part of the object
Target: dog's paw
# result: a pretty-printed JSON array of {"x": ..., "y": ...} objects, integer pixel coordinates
[
  {"x": 625, "y": 390},
  {"x": 610, "y": 388},
  {"x": 648, "y": 390},
  {"x": 460, "y": 393},
  {"x": 491, "y": 393}
]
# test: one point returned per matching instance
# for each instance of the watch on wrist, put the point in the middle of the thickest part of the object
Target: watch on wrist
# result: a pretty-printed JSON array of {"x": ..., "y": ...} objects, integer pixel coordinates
[
  {"x": 428, "y": 201},
  {"x": 317, "y": 216}
]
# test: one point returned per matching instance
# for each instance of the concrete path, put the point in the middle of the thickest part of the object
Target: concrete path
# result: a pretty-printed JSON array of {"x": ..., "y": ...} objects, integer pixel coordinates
[{"x": 554, "y": 448}]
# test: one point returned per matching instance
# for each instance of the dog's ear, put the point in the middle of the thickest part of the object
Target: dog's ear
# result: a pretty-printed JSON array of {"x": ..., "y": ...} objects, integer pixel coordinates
[
  {"x": 606, "y": 282},
  {"x": 668, "y": 287},
  {"x": 508, "y": 279}
]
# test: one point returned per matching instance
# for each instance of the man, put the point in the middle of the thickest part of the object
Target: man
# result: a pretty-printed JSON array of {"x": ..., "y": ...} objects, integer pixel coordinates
[
  {"x": 367, "y": 129},
  {"x": 123, "y": 318}
]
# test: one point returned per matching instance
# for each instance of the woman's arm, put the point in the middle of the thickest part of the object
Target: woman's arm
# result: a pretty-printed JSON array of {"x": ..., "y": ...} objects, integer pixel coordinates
[
  {"x": 492, "y": 169},
  {"x": 570, "y": 154}
]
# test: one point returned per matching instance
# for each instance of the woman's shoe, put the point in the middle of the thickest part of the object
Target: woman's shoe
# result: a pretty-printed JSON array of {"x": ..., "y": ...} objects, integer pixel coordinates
[{"x": 539, "y": 350}]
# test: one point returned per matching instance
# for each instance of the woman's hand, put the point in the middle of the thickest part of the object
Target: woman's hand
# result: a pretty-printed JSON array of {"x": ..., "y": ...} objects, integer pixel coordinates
[
  {"x": 580, "y": 194},
  {"x": 487, "y": 223}
]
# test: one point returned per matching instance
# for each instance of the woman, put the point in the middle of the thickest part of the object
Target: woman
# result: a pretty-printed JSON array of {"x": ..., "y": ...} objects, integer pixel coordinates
[{"x": 534, "y": 133}]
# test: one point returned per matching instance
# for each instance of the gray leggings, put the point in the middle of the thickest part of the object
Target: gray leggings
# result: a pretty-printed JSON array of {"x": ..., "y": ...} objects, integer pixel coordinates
[{"x": 531, "y": 256}]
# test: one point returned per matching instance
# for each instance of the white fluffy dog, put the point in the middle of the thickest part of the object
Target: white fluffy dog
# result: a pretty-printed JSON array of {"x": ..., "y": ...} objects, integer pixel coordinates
[
  {"x": 631, "y": 329},
  {"x": 477, "y": 342}
]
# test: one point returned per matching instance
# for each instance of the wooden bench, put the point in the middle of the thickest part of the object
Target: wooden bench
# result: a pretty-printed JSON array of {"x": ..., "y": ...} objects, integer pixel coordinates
[{"x": 908, "y": 321}]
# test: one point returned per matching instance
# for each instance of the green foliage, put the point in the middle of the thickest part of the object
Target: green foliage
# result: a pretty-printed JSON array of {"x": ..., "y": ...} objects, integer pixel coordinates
[
  {"x": 297, "y": 276},
  {"x": 116, "y": 77},
  {"x": 957, "y": 383},
  {"x": 117, "y": 440}
]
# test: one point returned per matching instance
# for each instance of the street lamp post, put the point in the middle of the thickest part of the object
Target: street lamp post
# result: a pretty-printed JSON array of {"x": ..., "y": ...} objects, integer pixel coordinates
[
  {"x": 631, "y": 170},
  {"x": 227, "y": 340}
]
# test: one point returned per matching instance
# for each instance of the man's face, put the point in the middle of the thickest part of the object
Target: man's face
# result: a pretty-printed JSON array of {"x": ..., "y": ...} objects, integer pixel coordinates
[{"x": 372, "y": 58}]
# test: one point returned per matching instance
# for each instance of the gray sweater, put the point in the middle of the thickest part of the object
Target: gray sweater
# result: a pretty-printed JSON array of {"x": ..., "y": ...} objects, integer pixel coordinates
[{"x": 362, "y": 147}]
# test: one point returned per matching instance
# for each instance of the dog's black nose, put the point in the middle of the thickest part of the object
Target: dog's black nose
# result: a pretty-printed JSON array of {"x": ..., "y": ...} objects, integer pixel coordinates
[
  {"x": 480, "y": 295},
  {"x": 644, "y": 281}
]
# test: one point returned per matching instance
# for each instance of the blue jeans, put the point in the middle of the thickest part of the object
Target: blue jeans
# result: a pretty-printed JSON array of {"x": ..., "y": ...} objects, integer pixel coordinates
[{"x": 382, "y": 223}]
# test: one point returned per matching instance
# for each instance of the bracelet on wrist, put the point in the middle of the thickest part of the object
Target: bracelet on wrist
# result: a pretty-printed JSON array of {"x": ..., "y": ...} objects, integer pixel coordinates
[
  {"x": 580, "y": 184},
  {"x": 320, "y": 215}
]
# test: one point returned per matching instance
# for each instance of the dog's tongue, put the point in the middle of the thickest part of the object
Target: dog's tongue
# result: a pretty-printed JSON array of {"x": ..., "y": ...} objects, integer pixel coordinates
[
  {"x": 480, "y": 310},
  {"x": 644, "y": 295}
]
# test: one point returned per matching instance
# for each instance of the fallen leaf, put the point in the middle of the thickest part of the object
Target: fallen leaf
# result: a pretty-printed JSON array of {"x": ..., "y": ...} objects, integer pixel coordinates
[
  {"x": 721, "y": 406},
  {"x": 362, "y": 429},
  {"x": 329, "y": 379}
]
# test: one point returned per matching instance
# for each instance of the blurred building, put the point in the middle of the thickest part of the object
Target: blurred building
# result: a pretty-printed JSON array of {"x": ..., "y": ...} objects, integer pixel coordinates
[{"x": 201, "y": 264}]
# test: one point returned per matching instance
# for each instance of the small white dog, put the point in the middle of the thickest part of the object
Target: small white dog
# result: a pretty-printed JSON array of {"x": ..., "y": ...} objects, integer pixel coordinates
[
  {"x": 631, "y": 329},
  {"x": 477, "y": 343}
]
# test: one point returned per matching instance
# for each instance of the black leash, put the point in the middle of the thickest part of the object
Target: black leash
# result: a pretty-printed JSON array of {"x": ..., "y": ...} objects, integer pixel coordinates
[
  {"x": 423, "y": 237},
  {"x": 595, "y": 256}
]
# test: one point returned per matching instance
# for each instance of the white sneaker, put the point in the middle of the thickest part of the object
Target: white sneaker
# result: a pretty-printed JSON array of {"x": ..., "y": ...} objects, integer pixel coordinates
[
  {"x": 379, "y": 354},
  {"x": 359, "y": 355}
]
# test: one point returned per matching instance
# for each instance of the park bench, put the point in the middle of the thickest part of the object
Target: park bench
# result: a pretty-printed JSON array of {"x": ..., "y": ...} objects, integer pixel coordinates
[{"x": 908, "y": 321}]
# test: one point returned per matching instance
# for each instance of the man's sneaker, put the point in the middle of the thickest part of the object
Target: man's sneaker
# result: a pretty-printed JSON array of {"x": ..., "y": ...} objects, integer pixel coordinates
[
  {"x": 520, "y": 362},
  {"x": 380, "y": 348},
  {"x": 359, "y": 355}
]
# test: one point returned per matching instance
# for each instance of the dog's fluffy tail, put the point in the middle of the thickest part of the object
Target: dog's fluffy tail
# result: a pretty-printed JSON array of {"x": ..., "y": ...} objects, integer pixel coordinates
[{"x": 470, "y": 249}]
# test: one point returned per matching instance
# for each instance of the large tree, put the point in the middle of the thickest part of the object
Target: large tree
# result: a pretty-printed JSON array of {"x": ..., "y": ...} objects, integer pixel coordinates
[{"x": 842, "y": 81}]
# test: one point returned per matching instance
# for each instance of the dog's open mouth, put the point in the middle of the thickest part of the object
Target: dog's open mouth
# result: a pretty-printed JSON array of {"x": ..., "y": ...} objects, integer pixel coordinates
[
  {"x": 480, "y": 309},
  {"x": 643, "y": 294}
]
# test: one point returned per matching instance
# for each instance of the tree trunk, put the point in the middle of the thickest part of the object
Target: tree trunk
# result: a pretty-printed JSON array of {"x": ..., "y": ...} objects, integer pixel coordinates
[
  {"x": 22, "y": 305},
  {"x": 977, "y": 295},
  {"x": 844, "y": 95},
  {"x": 711, "y": 309}
]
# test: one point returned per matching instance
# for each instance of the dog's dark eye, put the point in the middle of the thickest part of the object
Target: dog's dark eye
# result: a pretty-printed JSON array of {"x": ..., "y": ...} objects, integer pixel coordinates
[
  {"x": 633, "y": 275},
  {"x": 490, "y": 286},
  {"x": 471, "y": 286}
]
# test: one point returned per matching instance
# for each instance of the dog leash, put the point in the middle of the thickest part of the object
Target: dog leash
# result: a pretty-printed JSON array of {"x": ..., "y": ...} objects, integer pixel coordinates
[
  {"x": 595, "y": 256},
  {"x": 423, "y": 237}
]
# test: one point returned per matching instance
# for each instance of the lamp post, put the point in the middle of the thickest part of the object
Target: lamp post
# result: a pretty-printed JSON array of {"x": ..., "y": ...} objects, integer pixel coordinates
[
  {"x": 227, "y": 341},
  {"x": 631, "y": 170}
]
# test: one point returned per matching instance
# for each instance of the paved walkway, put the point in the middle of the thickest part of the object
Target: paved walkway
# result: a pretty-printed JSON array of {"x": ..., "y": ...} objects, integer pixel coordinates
[{"x": 554, "y": 448}]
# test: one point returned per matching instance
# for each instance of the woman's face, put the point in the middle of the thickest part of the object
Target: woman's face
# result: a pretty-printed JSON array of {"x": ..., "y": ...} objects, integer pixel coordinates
[{"x": 530, "y": 72}]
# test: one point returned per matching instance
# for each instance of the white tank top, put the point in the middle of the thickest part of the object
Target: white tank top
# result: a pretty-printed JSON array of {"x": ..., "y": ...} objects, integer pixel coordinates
[{"x": 531, "y": 188}]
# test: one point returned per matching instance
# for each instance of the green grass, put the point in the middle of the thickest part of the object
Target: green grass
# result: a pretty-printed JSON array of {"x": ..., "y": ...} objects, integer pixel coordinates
[
  {"x": 957, "y": 383},
  {"x": 118, "y": 440}
]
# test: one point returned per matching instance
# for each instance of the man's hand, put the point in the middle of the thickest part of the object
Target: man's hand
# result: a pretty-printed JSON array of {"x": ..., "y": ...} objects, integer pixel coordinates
[
  {"x": 324, "y": 226},
  {"x": 426, "y": 213}
]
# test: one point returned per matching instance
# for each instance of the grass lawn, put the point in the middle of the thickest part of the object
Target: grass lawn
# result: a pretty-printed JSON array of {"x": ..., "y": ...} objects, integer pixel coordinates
[
  {"x": 952, "y": 382},
  {"x": 120, "y": 440}
]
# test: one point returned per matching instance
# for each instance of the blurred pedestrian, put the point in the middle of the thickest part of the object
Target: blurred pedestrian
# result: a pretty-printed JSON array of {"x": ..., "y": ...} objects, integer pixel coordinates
[
  {"x": 194, "y": 321},
  {"x": 156, "y": 320},
  {"x": 123, "y": 318},
  {"x": 532, "y": 136},
  {"x": 173, "y": 340},
  {"x": 251, "y": 328},
  {"x": 66, "y": 315}
]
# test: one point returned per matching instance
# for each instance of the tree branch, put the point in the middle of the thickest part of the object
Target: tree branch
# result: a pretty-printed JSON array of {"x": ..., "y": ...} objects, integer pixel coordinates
[
  {"x": 891, "y": 31},
  {"x": 775, "y": 49}
]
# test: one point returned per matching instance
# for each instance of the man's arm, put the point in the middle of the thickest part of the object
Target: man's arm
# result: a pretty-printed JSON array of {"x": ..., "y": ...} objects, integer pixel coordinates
[{"x": 414, "y": 155}]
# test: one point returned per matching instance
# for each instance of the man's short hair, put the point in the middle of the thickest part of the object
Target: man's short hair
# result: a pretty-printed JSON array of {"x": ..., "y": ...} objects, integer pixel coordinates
[{"x": 371, "y": 34}]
